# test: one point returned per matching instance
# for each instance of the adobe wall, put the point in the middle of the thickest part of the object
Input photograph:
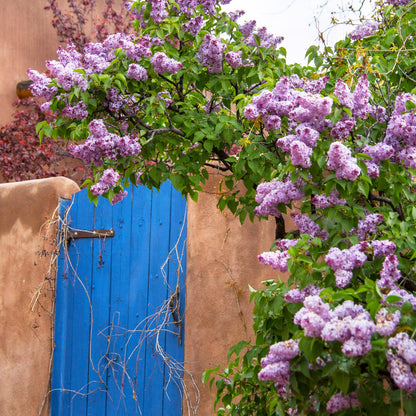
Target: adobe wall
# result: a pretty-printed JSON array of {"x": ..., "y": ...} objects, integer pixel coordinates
[
  {"x": 221, "y": 264},
  {"x": 27, "y": 246},
  {"x": 27, "y": 39}
]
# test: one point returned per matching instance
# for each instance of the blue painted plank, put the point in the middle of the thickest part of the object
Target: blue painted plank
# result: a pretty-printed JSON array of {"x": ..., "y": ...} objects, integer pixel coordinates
[
  {"x": 80, "y": 252},
  {"x": 62, "y": 336},
  {"x": 138, "y": 293},
  {"x": 119, "y": 389},
  {"x": 159, "y": 249},
  {"x": 100, "y": 300},
  {"x": 172, "y": 403}
]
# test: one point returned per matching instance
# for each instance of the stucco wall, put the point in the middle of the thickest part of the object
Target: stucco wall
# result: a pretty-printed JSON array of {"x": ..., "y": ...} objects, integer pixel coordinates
[
  {"x": 27, "y": 39},
  {"x": 222, "y": 263},
  {"x": 27, "y": 246}
]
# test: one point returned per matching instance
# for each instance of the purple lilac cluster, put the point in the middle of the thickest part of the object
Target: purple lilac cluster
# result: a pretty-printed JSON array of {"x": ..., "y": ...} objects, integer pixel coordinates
[
  {"x": 270, "y": 194},
  {"x": 368, "y": 28},
  {"x": 348, "y": 323},
  {"x": 401, "y": 356},
  {"x": 322, "y": 201},
  {"x": 343, "y": 262},
  {"x": 276, "y": 364},
  {"x": 389, "y": 275},
  {"x": 210, "y": 53},
  {"x": 401, "y": 130},
  {"x": 359, "y": 100},
  {"x": 42, "y": 85},
  {"x": 234, "y": 59},
  {"x": 340, "y": 160},
  {"x": 398, "y": 2},
  {"x": 165, "y": 97},
  {"x": 63, "y": 69},
  {"x": 77, "y": 111},
  {"x": 108, "y": 180},
  {"x": 193, "y": 26},
  {"x": 386, "y": 322},
  {"x": 163, "y": 64},
  {"x": 307, "y": 112},
  {"x": 96, "y": 58},
  {"x": 298, "y": 295},
  {"x": 137, "y": 72},
  {"x": 343, "y": 128},
  {"x": 114, "y": 100},
  {"x": 340, "y": 402},
  {"x": 266, "y": 39},
  {"x": 102, "y": 144},
  {"x": 378, "y": 153},
  {"x": 367, "y": 225},
  {"x": 278, "y": 259},
  {"x": 159, "y": 12},
  {"x": 308, "y": 226}
]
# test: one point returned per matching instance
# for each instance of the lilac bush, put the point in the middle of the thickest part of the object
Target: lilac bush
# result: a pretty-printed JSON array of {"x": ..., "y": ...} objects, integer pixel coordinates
[{"x": 332, "y": 144}]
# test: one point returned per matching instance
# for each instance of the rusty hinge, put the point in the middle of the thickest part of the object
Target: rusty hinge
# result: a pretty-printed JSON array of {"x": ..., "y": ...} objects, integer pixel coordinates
[{"x": 73, "y": 234}]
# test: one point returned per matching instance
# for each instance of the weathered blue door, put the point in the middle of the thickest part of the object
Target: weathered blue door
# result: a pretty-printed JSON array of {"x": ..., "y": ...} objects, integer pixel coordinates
[{"x": 119, "y": 307}]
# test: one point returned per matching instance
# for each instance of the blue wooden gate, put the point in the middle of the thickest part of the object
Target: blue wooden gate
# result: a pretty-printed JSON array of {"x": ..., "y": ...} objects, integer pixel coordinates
[{"x": 120, "y": 299}]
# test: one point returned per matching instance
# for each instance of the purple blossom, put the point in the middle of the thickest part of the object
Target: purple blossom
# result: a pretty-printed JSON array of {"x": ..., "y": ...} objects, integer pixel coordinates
[
  {"x": 307, "y": 135},
  {"x": 275, "y": 259},
  {"x": 323, "y": 201},
  {"x": 317, "y": 85},
  {"x": 102, "y": 144},
  {"x": 383, "y": 248},
  {"x": 337, "y": 330},
  {"x": 107, "y": 181},
  {"x": 166, "y": 97},
  {"x": 308, "y": 226},
  {"x": 367, "y": 225},
  {"x": 137, "y": 72},
  {"x": 343, "y": 128},
  {"x": 402, "y": 375},
  {"x": 300, "y": 154},
  {"x": 163, "y": 64},
  {"x": 193, "y": 26},
  {"x": 398, "y": 2},
  {"x": 77, "y": 111},
  {"x": 340, "y": 402},
  {"x": 347, "y": 308},
  {"x": 235, "y": 15},
  {"x": 285, "y": 350},
  {"x": 279, "y": 372},
  {"x": 356, "y": 347},
  {"x": 234, "y": 59},
  {"x": 340, "y": 160},
  {"x": 368, "y": 28},
  {"x": 270, "y": 194},
  {"x": 343, "y": 93},
  {"x": 390, "y": 272},
  {"x": 386, "y": 323},
  {"x": 210, "y": 53},
  {"x": 41, "y": 85},
  {"x": 299, "y": 295},
  {"x": 159, "y": 12},
  {"x": 361, "y": 97},
  {"x": 343, "y": 277},
  {"x": 187, "y": 6},
  {"x": 251, "y": 112},
  {"x": 362, "y": 327},
  {"x": 118, "y": 197},
  {"x": 272, "y": 122}
]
